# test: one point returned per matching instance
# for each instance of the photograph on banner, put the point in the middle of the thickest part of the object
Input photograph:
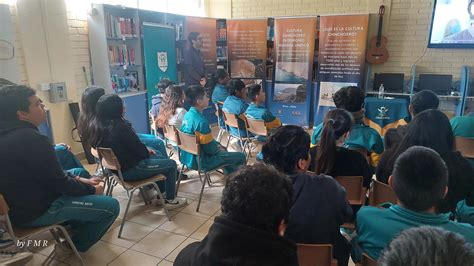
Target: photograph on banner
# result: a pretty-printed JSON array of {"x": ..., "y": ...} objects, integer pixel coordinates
[
  {"x": 328, "y": 89},
  {"x": 290, "y": 93},
  {"x": 294, "y": 42},
  {"x": 342, "y": 48},
  {"x": 247, "y": 48},
  {"x": 206, "y": 27}
]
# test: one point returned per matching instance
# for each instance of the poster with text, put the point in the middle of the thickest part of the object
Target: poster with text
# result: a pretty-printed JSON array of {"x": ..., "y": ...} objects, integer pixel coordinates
[
  {"x": 342, "y": 49},
  {"x": 247, "y": 48},
  {"x": 207, "y": 28},
  {"x": 294, "y": 56}
]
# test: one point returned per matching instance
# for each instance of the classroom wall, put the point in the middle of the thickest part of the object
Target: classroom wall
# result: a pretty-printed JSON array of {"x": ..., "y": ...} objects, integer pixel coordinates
[{"x": 407, "y": 24}]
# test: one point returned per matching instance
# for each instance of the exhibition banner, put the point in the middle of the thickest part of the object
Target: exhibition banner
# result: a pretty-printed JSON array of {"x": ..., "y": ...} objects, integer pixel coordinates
[
  {"x": 247, "y": 48},
  {"x": 294, "y": 54},
  {"x": 342, "y": 45},
  {"x": 159, "y": 47},
  {"x": 207, "y": 28}
]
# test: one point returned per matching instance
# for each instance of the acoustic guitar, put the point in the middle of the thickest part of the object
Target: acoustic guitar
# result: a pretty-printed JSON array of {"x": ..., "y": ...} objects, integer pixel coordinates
[{"x": 378, "y": 53}]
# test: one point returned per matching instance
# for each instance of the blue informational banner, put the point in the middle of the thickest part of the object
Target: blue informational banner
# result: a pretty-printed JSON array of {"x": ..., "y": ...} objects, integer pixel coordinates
[
  {"x": 342, "y": 45},
  {"x": 159, "y": 48},
  {"x": 290, "y": 96}
]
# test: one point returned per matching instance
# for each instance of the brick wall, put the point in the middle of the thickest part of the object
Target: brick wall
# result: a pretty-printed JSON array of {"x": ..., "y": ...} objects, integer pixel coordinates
[
  {"x": 407, "y": 29},
  {"x": 18, "y": 47}
]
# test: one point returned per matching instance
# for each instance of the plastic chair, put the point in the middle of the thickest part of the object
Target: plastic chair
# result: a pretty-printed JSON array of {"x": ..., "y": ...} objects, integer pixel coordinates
[
  {"x": 380, "y": 193},
  {"x": 110, "y": 161},
  {"x": 191, "y": 144},
  {"x": 465, "y": 146},
  {"x": 18, "y": 234},
  {"x": 355, "y": 192},
  {"x": 315, "y": 255}
]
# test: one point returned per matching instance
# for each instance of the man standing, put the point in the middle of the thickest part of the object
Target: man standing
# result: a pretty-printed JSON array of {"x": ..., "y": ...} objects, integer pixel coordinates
[{"x": 195, "y": 70}]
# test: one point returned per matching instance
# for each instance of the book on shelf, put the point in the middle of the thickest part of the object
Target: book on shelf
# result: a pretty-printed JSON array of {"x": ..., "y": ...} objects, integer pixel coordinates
[
  {"x": 221, "y": 52},
  {"x": 179, "y": 31},
  {"x": 221, "y": 32},
  {"x": 119, "y": 27},
  {"x": 128, "y": 82},
  {"x": 120, "y": 55}
]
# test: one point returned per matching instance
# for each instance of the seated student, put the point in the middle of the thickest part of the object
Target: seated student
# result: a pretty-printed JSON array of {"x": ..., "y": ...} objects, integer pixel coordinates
[
  {"x": 88, "y": 115},
  {"x": 156, "y": 101},
  {"x": 431, "y": 129},
  {"x": 257, "y": 110},
  {"x": 218, "y": 85},
  {"x": 420, "y": 181},
  {"x": 319, "y": 206},
  {"x": 463, "y": 126},
  {"x": 171, "y": 111},
  {"x": 137, "y": 161},
  {"x": 32, "y": 182},
  {"x": 235, "y": 104},
  {"x": 351, "y": 99},
  {"x": 420, "y": 101},
  {"x": 427, "y": 246},
  {"x": 330, "y": 157},
  {"x": 213, "y": 154},
  {"x": 250, "y": 230},
  {"x": 69, "y": 162}
]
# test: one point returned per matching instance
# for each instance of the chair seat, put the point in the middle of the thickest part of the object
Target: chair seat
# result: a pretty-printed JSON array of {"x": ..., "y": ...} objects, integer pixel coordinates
[
  {"x": 24, "y": 232},
  {"x": 141, "y": 183}
]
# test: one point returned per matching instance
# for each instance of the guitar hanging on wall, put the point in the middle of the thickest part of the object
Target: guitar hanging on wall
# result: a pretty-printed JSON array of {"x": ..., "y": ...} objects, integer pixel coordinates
[{"x": 378, "y": 53}]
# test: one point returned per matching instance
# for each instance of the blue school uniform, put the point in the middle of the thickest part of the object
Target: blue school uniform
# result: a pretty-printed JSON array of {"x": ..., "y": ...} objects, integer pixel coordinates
[
  {"x": 259, "y": 112},
  {"x": 220, "y": 93},
  {"x": 237, "y": 106},
  {"x": 212, "y": 155}
]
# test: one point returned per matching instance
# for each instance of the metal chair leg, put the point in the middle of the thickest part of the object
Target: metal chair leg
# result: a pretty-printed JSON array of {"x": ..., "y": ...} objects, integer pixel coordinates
[
  {"x": 178, "y": 182},
  {"x": 162, "y": 199},
  {"x": 130, "y": 196},
  {"x": 71, "y": 244},
  {"x": 202, "y": 191},
  {"x": 144, "y": 197}
]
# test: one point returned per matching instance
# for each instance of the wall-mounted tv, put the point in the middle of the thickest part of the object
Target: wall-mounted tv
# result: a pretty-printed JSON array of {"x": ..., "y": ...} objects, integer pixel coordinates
[{"x": 452, "y": 24}]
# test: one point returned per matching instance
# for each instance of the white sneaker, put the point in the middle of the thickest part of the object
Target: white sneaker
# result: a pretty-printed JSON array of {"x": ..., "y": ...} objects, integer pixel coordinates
[
  {"x": 173, "y": 204},
  {"x": 15, "y": 258}
]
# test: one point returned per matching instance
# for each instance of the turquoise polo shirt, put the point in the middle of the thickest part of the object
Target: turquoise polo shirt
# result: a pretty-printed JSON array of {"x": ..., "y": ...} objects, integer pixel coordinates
[
  {"x": 194, "y": 123},
  {"x": 465, "y": 213},
  {"x": 376, "y": 227},
  {"x": 220, "y": 93},
  {"x": 237, "y": 106},
  {"x": 361, "y": 136},
  {"x": 463, "y": 126},
  {"x": 259, "y": 112}
]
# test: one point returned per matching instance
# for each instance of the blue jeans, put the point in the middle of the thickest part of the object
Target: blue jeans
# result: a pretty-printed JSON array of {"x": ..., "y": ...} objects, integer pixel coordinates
[
  {"x": 90, "y": 217},
  {"x": 69, "y": 162},
  {"x": 153, "y": 142},
  {"x": 155, "y": 165}
]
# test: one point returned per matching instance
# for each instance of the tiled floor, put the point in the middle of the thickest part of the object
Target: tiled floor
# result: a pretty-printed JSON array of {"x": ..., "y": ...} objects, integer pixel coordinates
[{"x": 148, "y": 238}]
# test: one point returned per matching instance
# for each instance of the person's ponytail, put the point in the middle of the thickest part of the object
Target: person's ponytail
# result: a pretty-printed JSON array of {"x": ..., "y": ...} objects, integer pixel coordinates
[{"x": 327, "y": 148}]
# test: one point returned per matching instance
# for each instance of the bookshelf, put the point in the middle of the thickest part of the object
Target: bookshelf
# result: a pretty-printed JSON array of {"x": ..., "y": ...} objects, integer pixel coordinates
[
  {"x": 221, "y": 43},
  {"x": 270, "y": 49}
]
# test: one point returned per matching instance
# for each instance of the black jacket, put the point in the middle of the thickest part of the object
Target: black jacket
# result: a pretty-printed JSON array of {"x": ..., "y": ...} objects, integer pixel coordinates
[
  {"x": 320, "y": 207},
  {"x": 231, "y": 243},
  {"x": 30, "y": 176},
  {"x": 126, "y": 145}
]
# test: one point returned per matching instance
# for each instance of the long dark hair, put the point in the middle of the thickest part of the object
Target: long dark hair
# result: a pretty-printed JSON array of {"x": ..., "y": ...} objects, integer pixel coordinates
[
  {"x": 109, "y": 115},
  {"x": 337, "y": 122},
  {"x": 173, "y": 99},
  {"x": 89, "y": 99},
  {"x": 430, "y": 128},
  {"x": 213, "y": 80}
]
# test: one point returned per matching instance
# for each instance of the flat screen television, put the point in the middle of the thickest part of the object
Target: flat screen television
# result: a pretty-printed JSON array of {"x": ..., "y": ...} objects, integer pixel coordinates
[{"x": 452, "y": 24}]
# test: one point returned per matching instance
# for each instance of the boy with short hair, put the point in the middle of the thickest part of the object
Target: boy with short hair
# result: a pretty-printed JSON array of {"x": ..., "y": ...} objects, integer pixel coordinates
[
  {"x": 420, "y": 181},
  {"x": 257, "y": 110}
]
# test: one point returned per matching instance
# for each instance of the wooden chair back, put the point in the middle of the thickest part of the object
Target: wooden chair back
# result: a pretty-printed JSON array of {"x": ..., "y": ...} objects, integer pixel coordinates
[
  {"x": 315, "y": 255},
  {"x": 362, "y": 151},
  {"x": 367, "y": 261},
  {"x": 170, "y": 133},
  {"x": 255, "y": 126},
  {"x": 94, "y": 153},
  {"x": 355, "y": 190},
  {"x": 109, "y": 160},
  {"x": 189, "y": 143},
  {"x": 380, "y": 193},
  {"x": 465, "y": 146},
  {"x": 230, "y": 120}
]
